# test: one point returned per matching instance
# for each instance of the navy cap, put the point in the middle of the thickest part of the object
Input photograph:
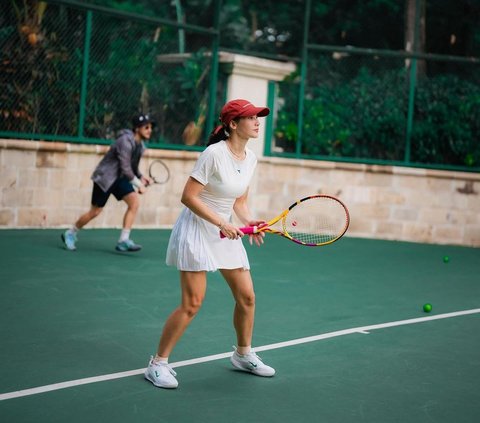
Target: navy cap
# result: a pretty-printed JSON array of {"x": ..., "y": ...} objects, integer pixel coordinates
[{"x": 141, "y": 120}]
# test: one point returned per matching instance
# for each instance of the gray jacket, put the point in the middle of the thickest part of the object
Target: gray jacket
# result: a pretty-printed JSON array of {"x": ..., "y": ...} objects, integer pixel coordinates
[{"x": 122, "y": 159}]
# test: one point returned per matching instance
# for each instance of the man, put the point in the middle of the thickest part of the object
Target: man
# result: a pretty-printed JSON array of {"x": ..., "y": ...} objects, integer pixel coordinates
[{"x": 118, "y": 174}]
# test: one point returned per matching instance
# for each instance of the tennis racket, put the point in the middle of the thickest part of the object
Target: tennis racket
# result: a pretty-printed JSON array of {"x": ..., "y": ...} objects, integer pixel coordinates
[
  {"x": 312, "y": 221},
  {"x": 159, "y": 172}
]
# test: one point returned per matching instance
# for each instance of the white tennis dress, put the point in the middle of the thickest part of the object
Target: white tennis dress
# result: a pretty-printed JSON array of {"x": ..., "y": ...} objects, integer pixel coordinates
[{"x": 195, "y": 244}]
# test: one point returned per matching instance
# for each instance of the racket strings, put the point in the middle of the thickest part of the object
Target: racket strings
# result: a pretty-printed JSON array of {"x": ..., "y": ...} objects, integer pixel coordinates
[
  {"x": 316, "y": 221},
  {"x": 159, "y": 172}
]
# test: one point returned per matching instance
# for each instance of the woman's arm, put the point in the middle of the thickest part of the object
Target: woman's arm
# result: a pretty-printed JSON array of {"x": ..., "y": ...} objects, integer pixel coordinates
[
  {"x": 191, "y": 199},
  {"x": 241, "y": 209}
]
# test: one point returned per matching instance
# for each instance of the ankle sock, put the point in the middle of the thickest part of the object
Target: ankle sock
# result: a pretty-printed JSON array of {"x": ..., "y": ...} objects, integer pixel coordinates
[
  {"x": 244, "y": 350},
  {"x": 73, "y": 230},
  {"x": 124, "y": 235},
  {"x": 157, "y": 359}
]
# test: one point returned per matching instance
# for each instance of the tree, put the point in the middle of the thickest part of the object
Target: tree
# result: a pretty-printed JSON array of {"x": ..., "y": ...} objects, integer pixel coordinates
[{"x": 415, "y": 36}]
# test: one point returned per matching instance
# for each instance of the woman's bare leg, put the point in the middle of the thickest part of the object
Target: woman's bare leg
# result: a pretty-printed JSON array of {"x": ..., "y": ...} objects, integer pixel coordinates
[{"x": 193, "y": 286}]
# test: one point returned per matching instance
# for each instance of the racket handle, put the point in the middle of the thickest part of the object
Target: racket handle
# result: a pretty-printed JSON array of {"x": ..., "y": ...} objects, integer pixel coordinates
[{"x": 247, "y": 230}]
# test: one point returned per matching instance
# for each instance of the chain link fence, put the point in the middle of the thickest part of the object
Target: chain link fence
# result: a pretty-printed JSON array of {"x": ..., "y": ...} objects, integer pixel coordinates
[
  {"x": 81, "y": 75},
  {"x": 356, "y": 106},
  {"x": 80, "y": 72}
]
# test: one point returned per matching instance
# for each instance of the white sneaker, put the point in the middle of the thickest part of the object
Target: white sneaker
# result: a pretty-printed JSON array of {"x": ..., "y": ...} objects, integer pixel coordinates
[
  {"x": 251, "y": 363},
  {"x": 69, "y": 239},
  {"x": 127, "y": 245},
  {"x": 161, "y": 375}
]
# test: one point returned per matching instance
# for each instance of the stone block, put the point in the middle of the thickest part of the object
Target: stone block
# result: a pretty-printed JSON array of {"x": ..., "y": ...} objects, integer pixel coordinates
[
  {"x": 32, "y": 217},
  {"x": 9, "y": 176},
  {"x": 360, "y": 226},
  {"x": 17, "y": 198},
  {"x": 407, "y": 181},
  {"x": 48, "y": 198},
  {"x": 49, "y": 159},
  {"x": 441, "y": 216},
  {"x": 418, "y": 232},
  {"x": 405, "y": 214},
  {"x": 448, "y": 234},
  {"x": 439, "y": 184},
  {"x": 389, "y": 197},
  {"x": 18, "y": 158},
  {"x": 377, "y": 179},
  {"x": 472, "y": 236},
  {"x": 389, "y": 230},
  {"x": 373, "y": 211},
  {"x": 32, "y": 178},
  {"x": 7, "y": 217},
  {"x": 360, "y": 194}
]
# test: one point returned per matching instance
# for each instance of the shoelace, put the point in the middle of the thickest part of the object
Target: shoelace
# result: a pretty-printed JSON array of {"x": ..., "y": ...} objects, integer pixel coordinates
[
  {"x": 254, "y": 357},
  {"x": 172, "y": 372},
  {"x": 251, "y": 354}
]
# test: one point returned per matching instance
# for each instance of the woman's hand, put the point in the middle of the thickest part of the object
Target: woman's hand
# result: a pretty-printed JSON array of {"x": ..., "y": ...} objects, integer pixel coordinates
[
  {"x": 257, "y": 238},
  {"x": 230, "y": 231}
]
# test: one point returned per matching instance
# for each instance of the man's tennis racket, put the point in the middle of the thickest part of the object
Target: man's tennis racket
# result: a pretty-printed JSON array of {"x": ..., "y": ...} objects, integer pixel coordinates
[
  {"x": 159, "y": 172},
  {"x": 312, "y": 221}
]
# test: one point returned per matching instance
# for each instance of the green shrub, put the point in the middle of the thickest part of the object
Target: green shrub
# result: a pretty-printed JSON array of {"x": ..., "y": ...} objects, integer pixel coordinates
[{"x": 366, "y": 117}]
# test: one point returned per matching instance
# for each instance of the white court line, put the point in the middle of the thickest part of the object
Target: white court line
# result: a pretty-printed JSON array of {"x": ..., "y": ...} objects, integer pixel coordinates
[{"x": 112, "y": 376}]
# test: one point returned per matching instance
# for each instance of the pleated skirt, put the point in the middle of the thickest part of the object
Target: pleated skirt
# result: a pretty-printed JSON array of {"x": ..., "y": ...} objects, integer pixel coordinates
[{"x": 195, "y": 245}]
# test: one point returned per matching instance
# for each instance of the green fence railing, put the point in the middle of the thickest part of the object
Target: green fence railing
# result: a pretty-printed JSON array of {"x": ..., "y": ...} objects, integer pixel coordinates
[
  {"x": 361, "y": 105},
  {"x": 378, "y": 106},
  {"x": 80, "y": 72},
  {"x": 77, "y": 72}
]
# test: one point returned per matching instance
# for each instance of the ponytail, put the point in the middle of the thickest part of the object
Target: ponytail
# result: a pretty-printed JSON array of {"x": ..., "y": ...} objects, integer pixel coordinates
[{"x": 218, "y": 134}]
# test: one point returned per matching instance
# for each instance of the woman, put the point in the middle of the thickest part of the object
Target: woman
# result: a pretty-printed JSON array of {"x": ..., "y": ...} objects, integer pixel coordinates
[{"x": 217, "y": 186}]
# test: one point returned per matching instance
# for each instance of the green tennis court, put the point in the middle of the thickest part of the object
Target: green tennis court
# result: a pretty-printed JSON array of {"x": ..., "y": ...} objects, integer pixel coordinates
[{"x": 343, "y": 326}]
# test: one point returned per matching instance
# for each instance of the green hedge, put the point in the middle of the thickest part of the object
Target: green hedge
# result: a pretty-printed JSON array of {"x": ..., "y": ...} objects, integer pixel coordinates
[
  {"x": 366, "y": 117},
  {"x": 447, "y": 122}
]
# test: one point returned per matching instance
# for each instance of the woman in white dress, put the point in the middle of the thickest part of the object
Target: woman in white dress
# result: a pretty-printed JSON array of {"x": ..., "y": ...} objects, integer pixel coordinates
[{"x": 217, "y": 186}]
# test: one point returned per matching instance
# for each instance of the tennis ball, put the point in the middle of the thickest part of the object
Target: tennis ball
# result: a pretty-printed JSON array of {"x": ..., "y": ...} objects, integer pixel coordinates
[
  {"x": 446, "y": 259},
  {"x": 427, "y": 308}
]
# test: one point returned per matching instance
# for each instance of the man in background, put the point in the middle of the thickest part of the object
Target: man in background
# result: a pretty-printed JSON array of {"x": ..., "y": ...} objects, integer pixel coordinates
[{"x": 118, "y": 174}]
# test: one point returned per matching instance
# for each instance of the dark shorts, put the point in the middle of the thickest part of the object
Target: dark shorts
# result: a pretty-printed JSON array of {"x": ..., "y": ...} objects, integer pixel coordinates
[{"x": 119, "y": 189}]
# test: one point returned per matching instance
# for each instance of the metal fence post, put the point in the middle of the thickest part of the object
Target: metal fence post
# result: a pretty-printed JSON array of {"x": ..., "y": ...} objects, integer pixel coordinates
[
  {"x": 303, "y": 77},
  {"x": 271, "y": 98},
  {"x": 83, "y": 88},
  {"x": 181, "y": 32},
  {"x": 214, "y": 70},
  {"x": 411, "y": 85}
]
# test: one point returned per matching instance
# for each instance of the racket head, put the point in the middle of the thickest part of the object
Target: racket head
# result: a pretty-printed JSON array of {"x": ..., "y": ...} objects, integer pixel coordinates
[
  {"x": 316, "y": 220},
  {"x": 159, "y": 172}
]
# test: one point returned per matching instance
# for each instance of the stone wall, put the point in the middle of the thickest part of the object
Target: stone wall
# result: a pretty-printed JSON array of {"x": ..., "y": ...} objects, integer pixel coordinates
[{"x": 47, "y": 185}]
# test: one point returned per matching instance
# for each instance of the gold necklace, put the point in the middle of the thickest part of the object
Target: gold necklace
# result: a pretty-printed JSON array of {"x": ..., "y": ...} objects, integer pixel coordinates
[{"x": 239, "y": 157}]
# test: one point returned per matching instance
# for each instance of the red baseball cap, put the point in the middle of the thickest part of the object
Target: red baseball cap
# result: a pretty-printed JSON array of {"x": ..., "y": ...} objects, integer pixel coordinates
[{"x": 240, "y": 108}]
